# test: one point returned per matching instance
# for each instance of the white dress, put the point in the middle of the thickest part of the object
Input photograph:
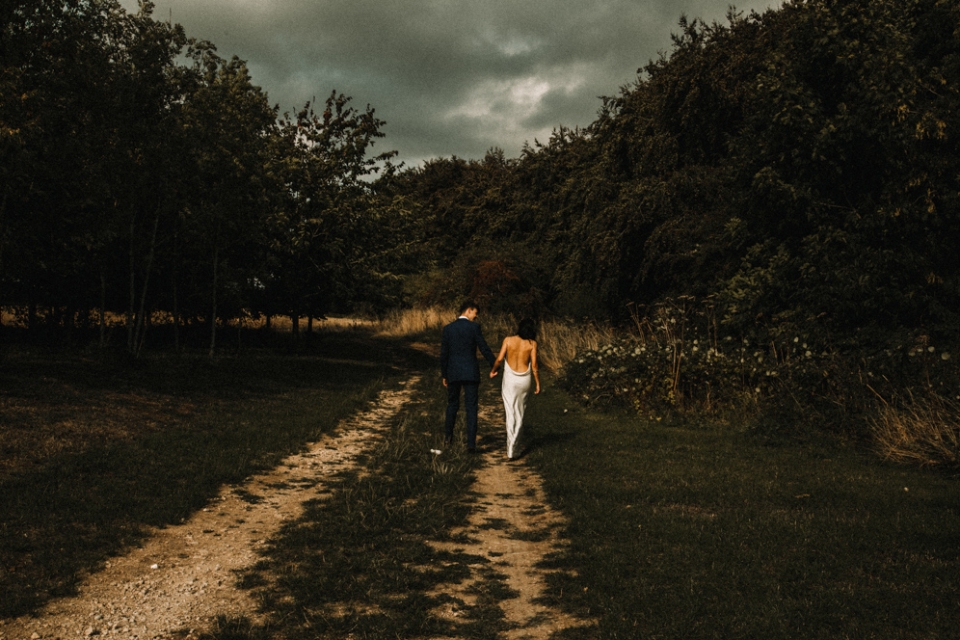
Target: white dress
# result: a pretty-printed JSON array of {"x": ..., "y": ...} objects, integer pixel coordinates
[{"x": 515, "y": 389}]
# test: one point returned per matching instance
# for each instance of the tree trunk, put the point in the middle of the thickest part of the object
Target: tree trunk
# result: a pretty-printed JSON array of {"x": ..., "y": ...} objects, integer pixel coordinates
[
  {"x": 3, "y": 216},
  {"x": 295, "y": 321},
  {"x": 103, "y": 310},
  {"x": 176, "y": 301},
  {"x": 176, "y": 316},
  {"x": 69, "y": 323},
  {"x": 140, "y": 330},
  {"x": 213, "y": 304},
  {"x": 132, "y": 301}
]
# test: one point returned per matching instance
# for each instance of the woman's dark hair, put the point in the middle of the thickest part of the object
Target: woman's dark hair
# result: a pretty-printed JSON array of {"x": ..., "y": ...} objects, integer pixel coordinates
[{"x": 527, "y": 329}]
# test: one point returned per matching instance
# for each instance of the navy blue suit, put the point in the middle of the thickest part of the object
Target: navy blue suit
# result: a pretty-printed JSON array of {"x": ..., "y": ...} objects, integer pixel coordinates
[{"x": 458, "y": 366}]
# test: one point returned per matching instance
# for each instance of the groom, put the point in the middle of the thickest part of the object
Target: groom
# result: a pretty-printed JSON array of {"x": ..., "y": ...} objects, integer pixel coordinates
[{"x": 459, "y": 368}]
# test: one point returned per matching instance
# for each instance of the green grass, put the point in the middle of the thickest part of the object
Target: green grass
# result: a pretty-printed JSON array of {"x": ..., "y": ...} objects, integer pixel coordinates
[
  {"x": 692, "y": 531},
  {"x": 64, "y": 515}
]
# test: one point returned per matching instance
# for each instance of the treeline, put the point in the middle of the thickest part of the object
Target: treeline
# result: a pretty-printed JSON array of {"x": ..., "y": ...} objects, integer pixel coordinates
[
  {"x": 797, "y": 169},
  {"x": 143, "y": 173}
]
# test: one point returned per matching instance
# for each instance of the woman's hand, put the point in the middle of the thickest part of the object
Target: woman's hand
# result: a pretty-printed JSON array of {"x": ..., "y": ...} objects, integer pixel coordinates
[{"x": 493, "y": 373}]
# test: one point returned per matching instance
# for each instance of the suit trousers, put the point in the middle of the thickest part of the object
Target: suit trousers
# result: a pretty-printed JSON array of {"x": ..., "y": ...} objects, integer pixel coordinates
[{"x": 471, "y": 400}]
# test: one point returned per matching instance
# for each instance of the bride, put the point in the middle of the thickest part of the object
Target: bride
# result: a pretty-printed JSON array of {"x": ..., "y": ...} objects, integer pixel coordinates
[{"x": 519, "y": 355}]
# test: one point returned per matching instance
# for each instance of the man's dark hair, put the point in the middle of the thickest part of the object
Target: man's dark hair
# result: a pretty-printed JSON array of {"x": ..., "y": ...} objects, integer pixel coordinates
[
  {"x": 527, "y": 329},
  {"x": 468, "y": 304}
]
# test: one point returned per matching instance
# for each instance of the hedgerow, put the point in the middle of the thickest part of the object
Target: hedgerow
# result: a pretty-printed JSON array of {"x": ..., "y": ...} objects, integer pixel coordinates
[{"x": 679, "y": 360}]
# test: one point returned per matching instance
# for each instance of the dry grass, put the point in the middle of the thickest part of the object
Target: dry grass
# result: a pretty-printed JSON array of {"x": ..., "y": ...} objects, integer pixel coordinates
[
  {"x": 16, "y": 317},
  {"x": 559, "y": 340},
  {"x": 284, "y": 324},
  {"x": 407, "y": 323},
  {"x": 925, "y": 431}
]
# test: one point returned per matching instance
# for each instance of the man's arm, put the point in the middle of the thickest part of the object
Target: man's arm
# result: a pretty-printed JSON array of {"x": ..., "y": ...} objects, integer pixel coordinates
[
  {"x": 484, "y": 349},
  {"x": 444, "y": 356}
]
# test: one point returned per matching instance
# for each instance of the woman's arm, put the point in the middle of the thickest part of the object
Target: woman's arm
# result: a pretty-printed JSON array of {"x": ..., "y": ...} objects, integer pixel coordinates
[
  {"x": 500, "y": 357},
  {"x": 533, "y": 365}
]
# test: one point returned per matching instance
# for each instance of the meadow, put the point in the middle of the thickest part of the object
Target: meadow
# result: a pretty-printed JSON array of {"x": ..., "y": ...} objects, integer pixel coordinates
[
  {"x": 680, "y": 525},
  {"x": 691, "y": 530}
]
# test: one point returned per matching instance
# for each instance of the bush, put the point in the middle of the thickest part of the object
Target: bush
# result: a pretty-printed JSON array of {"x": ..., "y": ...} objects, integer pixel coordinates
[{"x": 678, "y": 360}]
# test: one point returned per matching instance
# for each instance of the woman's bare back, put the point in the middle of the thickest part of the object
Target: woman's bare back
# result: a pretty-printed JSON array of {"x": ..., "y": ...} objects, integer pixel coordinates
[
  {"x": 521, "y": 357},
  {"x": 519, "y": 353}
]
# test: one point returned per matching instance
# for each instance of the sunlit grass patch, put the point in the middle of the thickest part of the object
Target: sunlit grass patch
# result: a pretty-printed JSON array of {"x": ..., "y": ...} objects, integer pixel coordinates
[
  {"x": 923, "y": 430},
  {"x": 559, "y": 340}
]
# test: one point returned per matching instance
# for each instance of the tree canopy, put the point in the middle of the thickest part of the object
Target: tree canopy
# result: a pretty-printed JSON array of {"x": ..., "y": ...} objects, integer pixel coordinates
[
  {"x": 797, "y": 167},
  {"x": 142, "y": 173}
]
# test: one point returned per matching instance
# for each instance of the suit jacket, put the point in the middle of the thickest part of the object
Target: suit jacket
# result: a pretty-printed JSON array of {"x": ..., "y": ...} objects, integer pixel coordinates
[{"x": 458, "y": 351}]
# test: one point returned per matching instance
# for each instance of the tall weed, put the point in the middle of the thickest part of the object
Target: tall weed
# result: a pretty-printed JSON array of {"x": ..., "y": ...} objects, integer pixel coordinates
[{"x": 923, "y": 431}]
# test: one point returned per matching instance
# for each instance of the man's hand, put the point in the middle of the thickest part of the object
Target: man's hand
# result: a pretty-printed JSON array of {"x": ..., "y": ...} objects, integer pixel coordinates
[
  {"x": 493, "y": 374},
  {"x": 444, "y": 382}
]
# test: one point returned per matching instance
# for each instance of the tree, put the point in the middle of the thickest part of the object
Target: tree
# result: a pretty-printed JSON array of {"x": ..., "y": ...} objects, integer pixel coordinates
[
  {"x": 324, "y": 225},
  {"x": 228, "y": 121}
]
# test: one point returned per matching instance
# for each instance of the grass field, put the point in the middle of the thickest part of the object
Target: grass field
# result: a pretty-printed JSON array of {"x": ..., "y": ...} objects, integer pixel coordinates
[
  {"x": 688, "y": 531},
  {"x": 95, "y": 450},
  {"x": 677, "y": 530}
]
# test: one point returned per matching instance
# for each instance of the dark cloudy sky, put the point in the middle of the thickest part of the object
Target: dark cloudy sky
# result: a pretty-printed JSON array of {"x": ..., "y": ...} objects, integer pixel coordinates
[{"x": 449, "y": 77}]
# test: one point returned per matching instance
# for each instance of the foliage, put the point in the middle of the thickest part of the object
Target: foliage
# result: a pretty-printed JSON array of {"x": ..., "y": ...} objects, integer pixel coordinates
[
  {"x": 792, "y": 164},
  {"x": 682, "y": 359},
  {"x": 143, "y": 173},
  {"x": 798, "y": 169}
]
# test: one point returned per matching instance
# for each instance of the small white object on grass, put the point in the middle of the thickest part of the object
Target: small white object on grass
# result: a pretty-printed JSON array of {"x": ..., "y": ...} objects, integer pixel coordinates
[{"x": 436, "y": 452}]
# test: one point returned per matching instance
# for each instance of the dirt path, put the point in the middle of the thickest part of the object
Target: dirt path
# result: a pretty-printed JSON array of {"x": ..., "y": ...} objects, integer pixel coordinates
[
  {"x": 516, "y": 529},
  {"x": 184, "y": 576}
]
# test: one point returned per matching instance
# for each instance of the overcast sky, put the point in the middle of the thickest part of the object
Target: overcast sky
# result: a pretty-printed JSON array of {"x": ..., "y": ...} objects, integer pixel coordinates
[{"x": 449, "y": 77}]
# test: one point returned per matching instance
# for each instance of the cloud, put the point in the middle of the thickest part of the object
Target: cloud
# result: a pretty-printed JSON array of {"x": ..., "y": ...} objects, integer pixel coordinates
[{"x": 449, "y": 77}]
